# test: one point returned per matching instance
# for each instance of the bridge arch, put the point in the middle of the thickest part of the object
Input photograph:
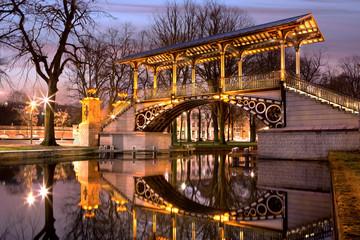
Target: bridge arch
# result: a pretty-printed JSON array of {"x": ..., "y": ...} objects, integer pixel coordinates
[{"x": 157, "y": 117}]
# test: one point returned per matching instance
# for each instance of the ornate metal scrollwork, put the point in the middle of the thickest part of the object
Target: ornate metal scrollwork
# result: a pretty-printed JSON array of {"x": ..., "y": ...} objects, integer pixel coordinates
[
  {"x": 272, "y": 204},
  {"x": 140, "y": 120},
  {"x": 273, "y": 113},
  {"x": 267, "y": 110},
  {"x": 144, "y": 191}
]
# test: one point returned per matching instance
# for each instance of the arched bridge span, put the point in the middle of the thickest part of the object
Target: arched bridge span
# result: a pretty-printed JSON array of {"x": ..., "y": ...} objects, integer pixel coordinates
[
  {"x": 157, "y": 117},
  {"x": 160, "y": 193}
]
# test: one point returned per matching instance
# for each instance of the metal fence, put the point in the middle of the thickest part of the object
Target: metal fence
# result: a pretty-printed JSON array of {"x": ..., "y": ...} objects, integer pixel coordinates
[
  {"x": 323, "y": 93},
  {"x": 265, "y": 80}
]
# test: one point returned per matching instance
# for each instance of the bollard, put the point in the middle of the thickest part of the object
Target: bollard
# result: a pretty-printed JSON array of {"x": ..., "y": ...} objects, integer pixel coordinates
[
  {"x": 246, "y": 154},
  {"x": 154, "y": 152},
  {"x": 170, "y": 151},
  {"x": 101, "y": 148},
  {"x": 235, "y": 160},
  {"x": 133, "y": 152}
]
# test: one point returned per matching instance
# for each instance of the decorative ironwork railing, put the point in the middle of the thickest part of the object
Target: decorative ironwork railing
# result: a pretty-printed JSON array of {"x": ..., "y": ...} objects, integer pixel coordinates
[
  {"x": 197, "y": 88},
  {"x": 323, "y": 94},
  {"x": 153, "y": 93},
  {"x": 265, "y": 80}
]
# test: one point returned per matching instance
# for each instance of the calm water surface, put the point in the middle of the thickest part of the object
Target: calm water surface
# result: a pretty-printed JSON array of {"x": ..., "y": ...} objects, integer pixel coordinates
[{"x": 88, "y": 198}]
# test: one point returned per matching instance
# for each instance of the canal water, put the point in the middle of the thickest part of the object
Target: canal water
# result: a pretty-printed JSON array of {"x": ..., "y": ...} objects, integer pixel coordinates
[{"x": 100, "y": 198}]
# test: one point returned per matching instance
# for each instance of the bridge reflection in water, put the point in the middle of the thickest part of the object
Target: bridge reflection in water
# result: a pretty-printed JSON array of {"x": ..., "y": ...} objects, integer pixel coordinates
[{"x": 201, "y": 197}]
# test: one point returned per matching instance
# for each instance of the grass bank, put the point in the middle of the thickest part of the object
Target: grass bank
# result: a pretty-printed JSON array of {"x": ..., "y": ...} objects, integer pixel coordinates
[{"x": 345, "y": 170}]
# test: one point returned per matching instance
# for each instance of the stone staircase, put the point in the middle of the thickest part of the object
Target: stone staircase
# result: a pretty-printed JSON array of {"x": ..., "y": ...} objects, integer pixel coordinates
[
  {"x": 125, "y": 114},
  {"x": 308, "y": 104}
]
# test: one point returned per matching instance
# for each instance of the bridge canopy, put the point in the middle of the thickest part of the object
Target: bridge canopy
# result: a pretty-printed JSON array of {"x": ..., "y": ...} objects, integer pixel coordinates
[{"x": 292, "y": 32}]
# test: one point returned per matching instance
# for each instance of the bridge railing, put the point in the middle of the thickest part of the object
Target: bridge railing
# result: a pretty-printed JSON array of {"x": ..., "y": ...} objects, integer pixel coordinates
[
  {"x": 265, "y": 80},
  {"x": 197, "y": 88},
  {"x": 153, "y": 93},
  {"x": 323, "y": 93}
]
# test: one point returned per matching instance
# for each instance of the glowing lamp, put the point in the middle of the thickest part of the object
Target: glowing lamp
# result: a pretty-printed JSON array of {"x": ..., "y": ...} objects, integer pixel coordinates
[
  {"x": 121, "y": 208},
  {"x": 30, "y": 199},
  {"x": 43, "y": 191}
]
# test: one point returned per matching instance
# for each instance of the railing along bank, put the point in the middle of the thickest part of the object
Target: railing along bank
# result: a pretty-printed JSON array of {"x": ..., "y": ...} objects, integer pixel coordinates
[
  {"x": 266, "y": 80},
  {"x": 324, "y": 94}
]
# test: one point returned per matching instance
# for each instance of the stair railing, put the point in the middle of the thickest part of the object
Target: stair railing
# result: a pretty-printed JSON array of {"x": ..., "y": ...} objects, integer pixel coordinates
[{"x": 323, "y": 94}]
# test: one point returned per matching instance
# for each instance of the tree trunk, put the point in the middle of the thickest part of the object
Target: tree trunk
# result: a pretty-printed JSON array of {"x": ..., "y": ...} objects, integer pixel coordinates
[
  {"x": 222, "y": 122},
  {"x": 49, "y": 229},
  {"x": 188, "y": 122},
  {"x": 199, "y": 127},
  {"x": 215, "y": 123},
  {"x": 49, "y": 133},
  {"x": 181, "y": 128},
  {"x": 174, "y": 131},
  {"x": 252, "y": 129}
]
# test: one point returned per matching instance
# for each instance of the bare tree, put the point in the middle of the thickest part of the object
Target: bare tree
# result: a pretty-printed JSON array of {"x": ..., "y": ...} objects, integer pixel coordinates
[
  {"x": 350, "y": 67},
  {"x": 62, "y": 118},
  {"x": 98, "y": 54},
  {"x": 41, "y": 32}
]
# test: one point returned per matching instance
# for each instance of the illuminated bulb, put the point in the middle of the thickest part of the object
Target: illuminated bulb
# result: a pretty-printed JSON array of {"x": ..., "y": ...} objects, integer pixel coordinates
[
  {"x": 30, "y": 199},
  {"x": 183, "y": 186},
  {"x": 43, "y": 191},
  {"x": 46, "y": 100},
  {"x": 32, "y": 104},
  {"x": 252, "y": 174},
  {"x": 112, "y": 116}
]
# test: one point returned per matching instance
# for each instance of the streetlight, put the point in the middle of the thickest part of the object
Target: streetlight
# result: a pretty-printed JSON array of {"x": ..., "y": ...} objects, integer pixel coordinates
[{"x": 33, "y": 105}]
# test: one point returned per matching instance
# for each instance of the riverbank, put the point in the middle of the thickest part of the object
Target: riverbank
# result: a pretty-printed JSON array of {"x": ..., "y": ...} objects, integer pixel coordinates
[
  {"x": 345, "y": 172},
  {"x": 22, "y": 152}
]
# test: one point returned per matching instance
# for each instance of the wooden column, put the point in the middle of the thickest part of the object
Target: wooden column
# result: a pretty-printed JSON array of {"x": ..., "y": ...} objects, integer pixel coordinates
[
  {"x": 155, "y": 83},
  {"x": 193, "y": 67},
  {"x": 297, "y": 59},
  {"x": 222, "y": 71},
  {"x": 193, "y": 236},
  {"x": 134, "y": 224},
  {"x": 154, "y": 223},
  {"x": 173, "y": 226},
  {"x": 135, "y": 80},
  {"x": 282, "y": 49},
  {"x": 174, "y": 78},
  {"x": 239, "y": 59}
]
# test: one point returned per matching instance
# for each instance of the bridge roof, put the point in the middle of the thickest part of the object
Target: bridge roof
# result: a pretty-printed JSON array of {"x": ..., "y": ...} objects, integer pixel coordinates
[{"x": 299, "y": 30}]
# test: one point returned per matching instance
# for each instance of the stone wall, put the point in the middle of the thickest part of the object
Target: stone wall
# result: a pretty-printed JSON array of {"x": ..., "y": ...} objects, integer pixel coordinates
[
  {"x": 297, "y": 175},
  {"x": 307, "y": 142},
  {"x": 302, "y": 110},
  {"x": 141, "y": 140},
  {"x": 307, "y": 184}
]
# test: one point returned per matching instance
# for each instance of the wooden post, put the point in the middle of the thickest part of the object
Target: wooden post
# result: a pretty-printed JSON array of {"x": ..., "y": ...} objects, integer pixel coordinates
[
  {"x": 239, "y": 58},
  {"x": 174, "y": 226},
  {"x": 135, "y": 81},
  {"x": 154, "y": 223},
  {"x": 134, "y": 224},
  {"x": 155, "y": 84},
  {"x": 222, "y": 71},
  {"x": 282, "y": 48},
  {"x": 174, "y": 78},
  {"x": 193, "y": 236},
  {"x": 297, "y": 59},
  {"x": 193, "y": 67}
]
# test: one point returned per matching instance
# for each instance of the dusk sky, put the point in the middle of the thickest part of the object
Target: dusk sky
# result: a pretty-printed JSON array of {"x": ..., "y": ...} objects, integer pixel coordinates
[{"x": 339, "y": 21}]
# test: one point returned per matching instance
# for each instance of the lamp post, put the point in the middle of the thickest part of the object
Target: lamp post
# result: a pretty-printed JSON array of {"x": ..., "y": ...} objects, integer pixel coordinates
[{"x": 32, "y": 104}]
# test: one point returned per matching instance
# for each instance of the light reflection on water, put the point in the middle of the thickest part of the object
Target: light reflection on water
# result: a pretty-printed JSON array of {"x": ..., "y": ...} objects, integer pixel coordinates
[{"x": 87, "y": 196}]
